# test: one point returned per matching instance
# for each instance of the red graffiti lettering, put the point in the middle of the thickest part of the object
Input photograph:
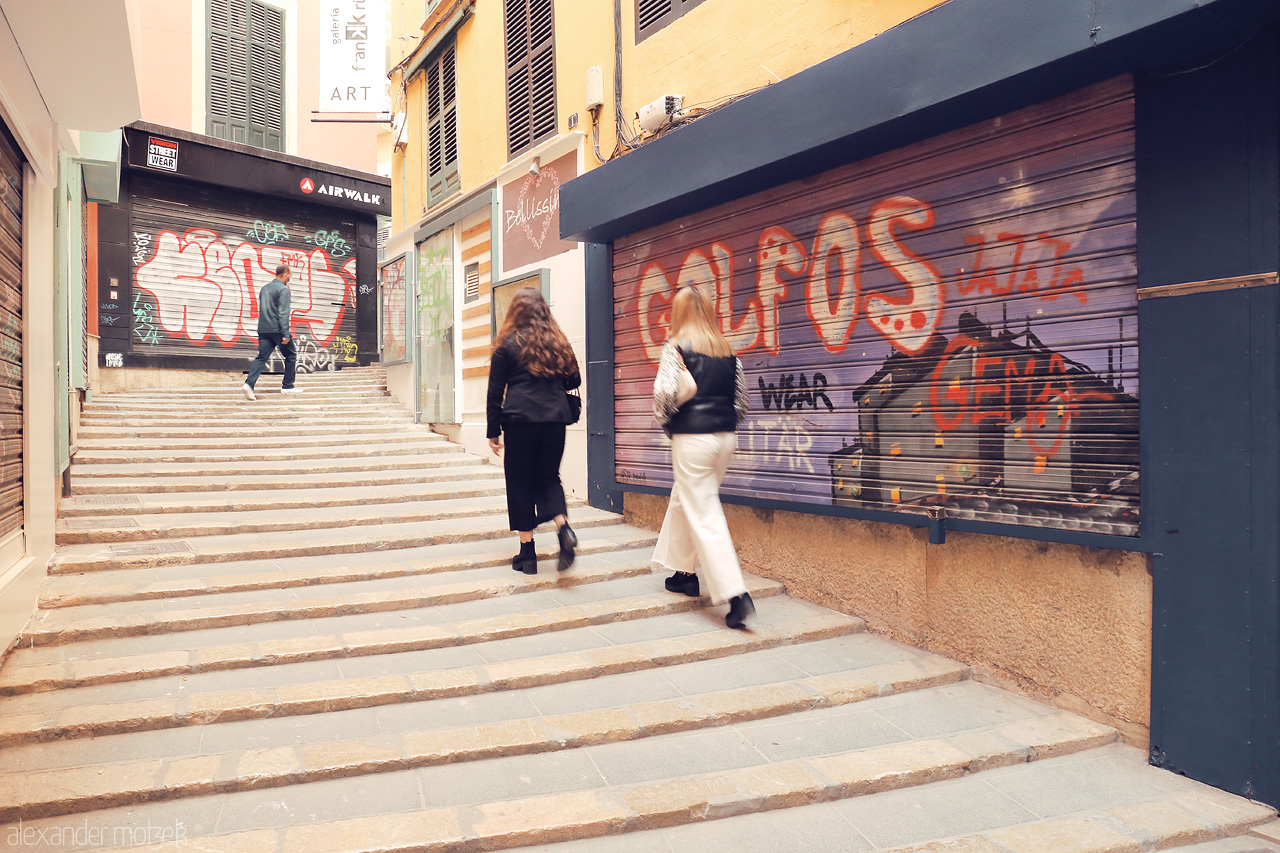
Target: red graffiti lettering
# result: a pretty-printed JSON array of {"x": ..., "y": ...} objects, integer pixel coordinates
[
  {"x": 836, "y": 255},
  {"x": 204, "y": 289},
  {"x": 908, "y": 322}
]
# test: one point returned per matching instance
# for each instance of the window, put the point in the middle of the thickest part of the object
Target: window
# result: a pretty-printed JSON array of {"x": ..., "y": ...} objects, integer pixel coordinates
[
  {"x": 442, "y": 126},
  {"x": 531, "y": 78},
  {"x": 653, "y": 15},
  {"x": 246, "y": 73},
  {"x": 473, "y": 283}
]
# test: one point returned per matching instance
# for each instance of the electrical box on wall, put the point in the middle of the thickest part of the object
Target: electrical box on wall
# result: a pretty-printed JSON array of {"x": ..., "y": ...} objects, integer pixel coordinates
[{"x": 595, "y": 87}]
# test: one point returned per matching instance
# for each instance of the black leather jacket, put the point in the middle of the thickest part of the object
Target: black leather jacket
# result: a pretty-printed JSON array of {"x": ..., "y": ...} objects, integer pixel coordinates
[{"x": 516, "y": 395}]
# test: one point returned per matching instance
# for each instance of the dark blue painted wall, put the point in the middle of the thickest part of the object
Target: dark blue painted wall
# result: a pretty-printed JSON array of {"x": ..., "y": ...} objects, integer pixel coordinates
[{"x": 1209, "y": 207}]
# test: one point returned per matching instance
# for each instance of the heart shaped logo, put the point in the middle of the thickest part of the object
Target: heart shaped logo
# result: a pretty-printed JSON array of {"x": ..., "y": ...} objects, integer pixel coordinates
[{"x": 543, "y": 211}]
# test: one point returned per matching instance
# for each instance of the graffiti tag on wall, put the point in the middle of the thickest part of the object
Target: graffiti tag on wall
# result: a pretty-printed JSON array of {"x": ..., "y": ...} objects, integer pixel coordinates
[
  {"x": 201, "y": 290},
  {"x": 394, "y": 312},
  {"x": 951, "y": 325}
]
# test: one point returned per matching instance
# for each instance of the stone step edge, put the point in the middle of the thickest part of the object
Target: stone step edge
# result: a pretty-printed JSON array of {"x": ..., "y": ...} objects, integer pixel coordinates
[
  {"x": 345, "y": 694},
  {"x": 412, "y": 476},
  {"x": 18, "y": 680},
  {"x": 63, "y": 564},
  {"x": 437, "y": 459},
  {"x": 230, "y": 525},
  {"x": 333, "y": 498},
  {"x": 236, "y": 455},
  {"x": 48, "y": 628},
  {"x": 1153, "y": 824},
  {"x": 30, "y": 795},
  {"x": 676, "y": 801},
  {"x": 111, "y": 594},
  {"x": 216, "y": 443}
]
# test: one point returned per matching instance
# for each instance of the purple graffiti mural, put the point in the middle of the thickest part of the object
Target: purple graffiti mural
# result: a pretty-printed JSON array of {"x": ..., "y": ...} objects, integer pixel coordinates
[{"x": 952, "y": 324}]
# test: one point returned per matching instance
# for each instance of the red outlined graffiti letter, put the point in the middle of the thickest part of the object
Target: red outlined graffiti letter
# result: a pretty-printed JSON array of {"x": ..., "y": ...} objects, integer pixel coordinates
[
  {"x": 836, "y": 255},
  {"x": 906, "y": 322}
]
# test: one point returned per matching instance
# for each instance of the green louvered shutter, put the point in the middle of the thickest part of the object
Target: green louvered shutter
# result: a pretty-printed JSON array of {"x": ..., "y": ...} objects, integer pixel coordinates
[
  {"x": 443, "y": 179},
  {"x": 246, "y": 73}
]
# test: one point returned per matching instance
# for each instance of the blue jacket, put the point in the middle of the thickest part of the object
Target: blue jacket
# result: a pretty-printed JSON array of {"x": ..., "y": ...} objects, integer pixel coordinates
[{"x": 275, "y": 317}]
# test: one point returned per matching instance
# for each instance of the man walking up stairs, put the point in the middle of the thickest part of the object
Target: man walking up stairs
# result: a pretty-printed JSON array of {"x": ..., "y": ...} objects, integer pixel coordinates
[{"x": 290, "y": 625}]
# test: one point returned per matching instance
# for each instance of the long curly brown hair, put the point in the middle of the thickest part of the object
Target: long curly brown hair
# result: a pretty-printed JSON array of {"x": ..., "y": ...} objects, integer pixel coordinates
[{"x": 541, "y": 345}]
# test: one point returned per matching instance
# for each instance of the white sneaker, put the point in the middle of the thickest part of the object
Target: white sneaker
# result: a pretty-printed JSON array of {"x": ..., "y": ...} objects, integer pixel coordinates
[
  {"x": 248, "y": 392},
  {"x": 290, "y": 390}
]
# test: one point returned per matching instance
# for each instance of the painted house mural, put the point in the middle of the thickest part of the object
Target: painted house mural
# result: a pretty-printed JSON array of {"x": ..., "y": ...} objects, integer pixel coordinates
[{"x": 951, "y": 324}]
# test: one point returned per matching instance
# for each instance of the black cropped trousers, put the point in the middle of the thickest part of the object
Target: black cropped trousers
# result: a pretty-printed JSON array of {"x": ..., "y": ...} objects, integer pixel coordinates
[{"x": 531, "y": 463}]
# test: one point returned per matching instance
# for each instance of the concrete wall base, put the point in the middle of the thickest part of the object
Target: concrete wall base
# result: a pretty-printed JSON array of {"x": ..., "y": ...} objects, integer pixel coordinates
[
  {"x": 1063, "y": 623},
  {"x": 117, "y": 379}
]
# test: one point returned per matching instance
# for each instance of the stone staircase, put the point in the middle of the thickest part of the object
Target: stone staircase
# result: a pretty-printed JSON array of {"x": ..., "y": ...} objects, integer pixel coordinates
[{"x": 291, "y": 625}]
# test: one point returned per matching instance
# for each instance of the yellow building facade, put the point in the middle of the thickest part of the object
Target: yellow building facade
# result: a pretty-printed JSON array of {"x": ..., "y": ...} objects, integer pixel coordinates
[{"x": 497, "y": 103}]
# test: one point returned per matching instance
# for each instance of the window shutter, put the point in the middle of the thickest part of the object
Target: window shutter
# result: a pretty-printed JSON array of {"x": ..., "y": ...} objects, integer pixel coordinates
[
  {"x": 267, "y": 78},
  {"x": 442, "y": 127},
  {"x": 653, "y": 15},
  {"x": 649, "y": 12},
  {"x": 531, "y": 82},
  {"x": 246, "y": 73},
  {"x": 473, "y": 283}
]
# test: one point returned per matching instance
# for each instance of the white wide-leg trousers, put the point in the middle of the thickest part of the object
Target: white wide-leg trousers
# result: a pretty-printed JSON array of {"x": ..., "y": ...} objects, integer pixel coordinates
[{"x": 694, "y": 530}]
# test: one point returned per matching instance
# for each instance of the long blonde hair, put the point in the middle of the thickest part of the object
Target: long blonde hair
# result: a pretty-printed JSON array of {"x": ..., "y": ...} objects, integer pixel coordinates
[{"x": 694, "y": 324}]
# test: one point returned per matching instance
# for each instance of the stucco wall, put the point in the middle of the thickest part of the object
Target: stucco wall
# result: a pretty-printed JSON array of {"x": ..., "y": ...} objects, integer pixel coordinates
[{"x": 1066, "y": 623}]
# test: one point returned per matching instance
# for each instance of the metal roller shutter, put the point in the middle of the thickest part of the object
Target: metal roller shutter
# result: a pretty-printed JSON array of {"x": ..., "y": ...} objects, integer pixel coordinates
[
  {"x": 11, "y": 491},
  {"x": 201, "y": 255},
  {"x": 951, "y": 324}
]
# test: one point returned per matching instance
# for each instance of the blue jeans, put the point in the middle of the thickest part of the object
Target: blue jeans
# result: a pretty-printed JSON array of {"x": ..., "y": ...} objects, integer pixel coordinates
[{"x": 267, "y": 344}]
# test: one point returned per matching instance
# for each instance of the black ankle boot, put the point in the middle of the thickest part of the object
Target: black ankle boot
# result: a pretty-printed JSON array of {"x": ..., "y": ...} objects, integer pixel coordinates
[
  {"x": 568, "y": 542},
  {"x": 685, "y": 583},
  {"x": 527, "y": 560},
  {"x": 741, "y": 608}
]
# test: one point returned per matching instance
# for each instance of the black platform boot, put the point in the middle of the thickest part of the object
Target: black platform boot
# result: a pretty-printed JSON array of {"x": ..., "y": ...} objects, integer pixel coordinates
[
  {"x": 568, "y": 542},
  {"x": 684, "y": 582},
  {"x": 741, "y": 608},
  {"x": 527, "y": 560}
]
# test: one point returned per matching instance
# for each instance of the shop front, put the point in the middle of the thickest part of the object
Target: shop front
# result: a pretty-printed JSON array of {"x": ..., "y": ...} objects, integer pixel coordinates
[
  {"x": 202, "y": 226},
  {"x": 1008, "y": 323}
]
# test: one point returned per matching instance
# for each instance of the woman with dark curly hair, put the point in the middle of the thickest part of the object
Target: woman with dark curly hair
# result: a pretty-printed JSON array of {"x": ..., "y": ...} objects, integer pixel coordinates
[{"x": 531, "y": 369}]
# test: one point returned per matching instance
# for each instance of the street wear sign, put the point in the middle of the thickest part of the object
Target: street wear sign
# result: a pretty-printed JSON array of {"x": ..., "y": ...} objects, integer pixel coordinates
[
  {"x": 352, "y": 50},
  {"x": 162, "y": 154}
]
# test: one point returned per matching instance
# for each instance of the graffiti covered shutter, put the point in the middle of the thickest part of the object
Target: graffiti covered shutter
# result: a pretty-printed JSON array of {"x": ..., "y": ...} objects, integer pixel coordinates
[
  {"x": 950, "y": 324},
  {"x": 10, "y": 335},
  {"x": 200, "y": 256}
]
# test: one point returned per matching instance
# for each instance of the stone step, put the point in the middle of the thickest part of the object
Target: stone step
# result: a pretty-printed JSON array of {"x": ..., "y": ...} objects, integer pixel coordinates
[
  {"x": 447, "y": 456},
  {"x": 488, "y": 482},
  {"x": 241, "y": 455},
  {"x": 44, "y": 716},
  {"x": 100, "y": 445},
  {"x": 131, "y": 585},
  {"x": 126, "y": 433},
  {"x": 1045, "y": 806},
  {"x": 462, "y": 470},
  {"x": 271, "y": 546},
  {"x": 225, "y": 412},
  {"x": 472, "y": 815},
  {"x": 346, "y": 398},
  {"x": 141, "y": 528},
  {"x": 28, "y": 672},
  {"x": 76, "y": 789},
  {"x": 74, "y": 625},
  {"x": 250, "y": 420}
]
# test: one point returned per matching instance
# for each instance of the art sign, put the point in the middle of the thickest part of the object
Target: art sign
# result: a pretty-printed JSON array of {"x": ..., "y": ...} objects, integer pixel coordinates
[
  {"x": 352, "y": 53},
  {"x": 531, "y": 214},
  {"x": 949, "y": 326}
]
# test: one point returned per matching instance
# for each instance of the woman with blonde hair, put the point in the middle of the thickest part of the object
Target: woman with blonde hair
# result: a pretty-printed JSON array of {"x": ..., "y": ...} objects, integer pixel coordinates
[
  {"x": 699, "y": 398},
  {"x": 531, "y": 369}
]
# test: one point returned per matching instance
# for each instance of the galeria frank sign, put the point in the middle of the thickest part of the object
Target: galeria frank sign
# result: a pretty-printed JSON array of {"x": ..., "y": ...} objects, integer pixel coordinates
[
  {"x": 952, "y": 325},
  {"x": 352, "y": 53}
]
